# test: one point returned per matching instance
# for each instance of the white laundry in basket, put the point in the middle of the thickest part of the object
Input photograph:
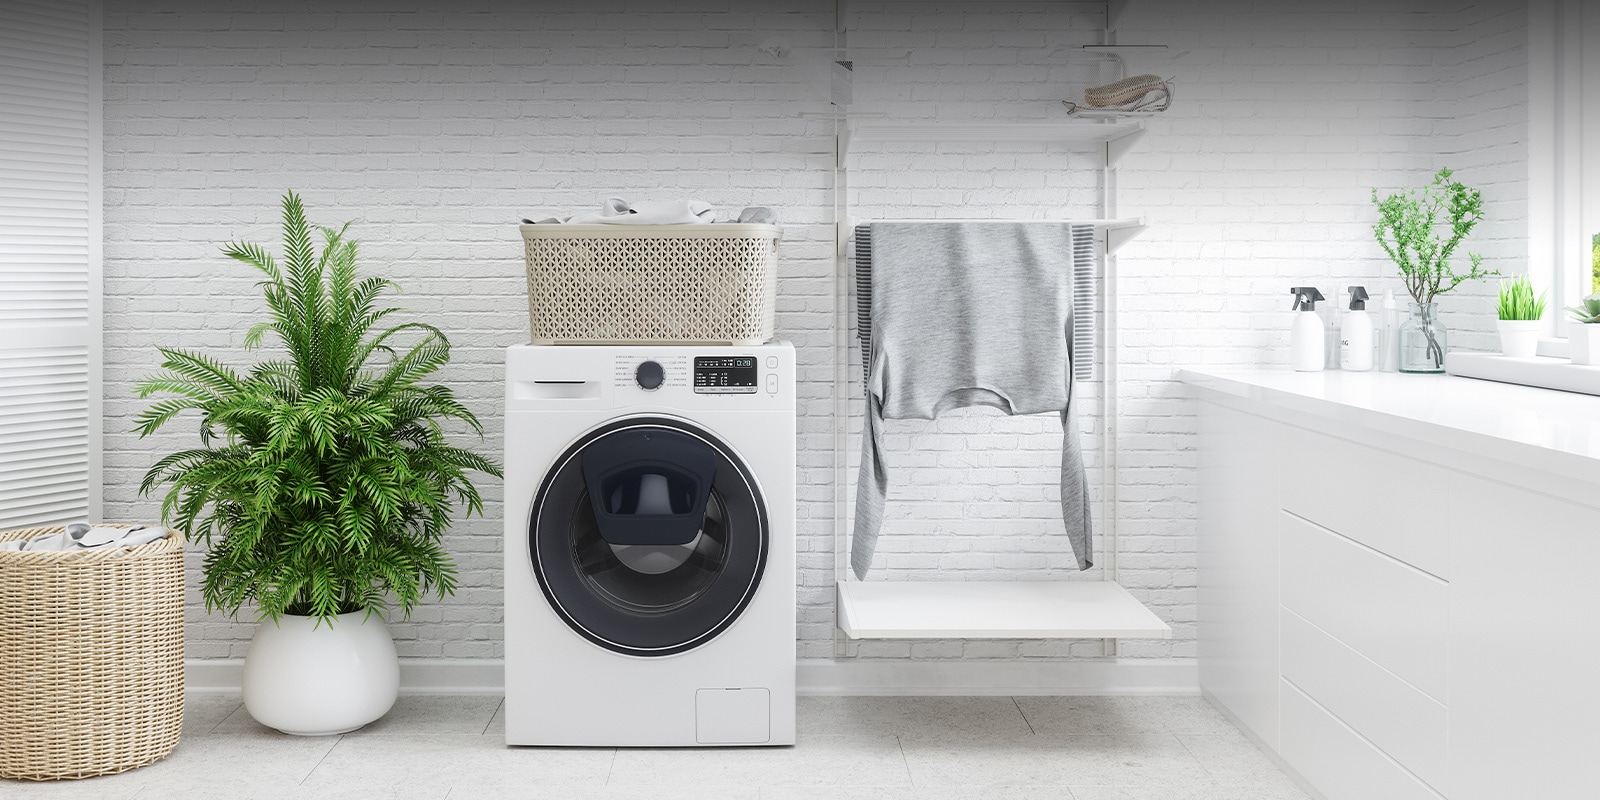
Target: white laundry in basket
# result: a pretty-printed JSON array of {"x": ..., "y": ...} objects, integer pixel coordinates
[
  {"x": 83, "y": 536},
  {"x": 617, "y": 211}
]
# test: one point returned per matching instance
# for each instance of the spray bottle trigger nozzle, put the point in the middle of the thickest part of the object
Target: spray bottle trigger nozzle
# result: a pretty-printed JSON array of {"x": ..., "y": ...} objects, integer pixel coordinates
[{"x": 1306, "y": 297}]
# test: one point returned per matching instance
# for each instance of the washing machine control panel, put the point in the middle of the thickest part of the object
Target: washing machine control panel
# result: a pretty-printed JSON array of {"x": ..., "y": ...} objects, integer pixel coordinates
[{"x": 725, "y": 375}]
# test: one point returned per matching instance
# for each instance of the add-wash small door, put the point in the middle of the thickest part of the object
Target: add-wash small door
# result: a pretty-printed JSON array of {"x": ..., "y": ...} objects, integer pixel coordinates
[{"x": 648, "y": 536}]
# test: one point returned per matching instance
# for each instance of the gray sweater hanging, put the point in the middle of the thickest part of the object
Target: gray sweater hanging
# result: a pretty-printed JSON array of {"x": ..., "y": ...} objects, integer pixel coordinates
[{"x": 969, "y": 314}]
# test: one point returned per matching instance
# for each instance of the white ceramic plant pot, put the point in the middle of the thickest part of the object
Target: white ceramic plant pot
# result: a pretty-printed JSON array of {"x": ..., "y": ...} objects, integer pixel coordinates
[
  {"x": 1519, "y": 338},
  {"x": 1583, "y": 343},
  {"x": 315, "y": 680}
]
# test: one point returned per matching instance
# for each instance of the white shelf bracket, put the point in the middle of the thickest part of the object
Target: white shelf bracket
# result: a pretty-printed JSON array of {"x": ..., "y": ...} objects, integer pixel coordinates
[
  {"x": 1120, "y": 146},
  {"x": 1117, "y": 237}
]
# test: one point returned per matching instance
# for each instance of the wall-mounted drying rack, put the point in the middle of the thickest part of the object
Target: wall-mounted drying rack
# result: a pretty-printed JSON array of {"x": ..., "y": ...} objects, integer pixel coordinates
[
  {"x": 1056, "y": 609},
  {"x": 1116, "y": 232}
]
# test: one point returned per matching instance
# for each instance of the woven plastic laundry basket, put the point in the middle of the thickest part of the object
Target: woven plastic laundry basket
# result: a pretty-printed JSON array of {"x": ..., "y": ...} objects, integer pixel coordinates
[
  {"x": 712, "y": 283},
  {"x": 91, "y": 658}
]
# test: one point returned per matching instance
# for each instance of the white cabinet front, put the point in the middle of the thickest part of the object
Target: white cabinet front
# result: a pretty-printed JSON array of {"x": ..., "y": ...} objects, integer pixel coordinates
[
  {"x": 1398, "y": 624},
  {"x": 1389, "y": 611},
  {"x": 1524, "y": 650}
]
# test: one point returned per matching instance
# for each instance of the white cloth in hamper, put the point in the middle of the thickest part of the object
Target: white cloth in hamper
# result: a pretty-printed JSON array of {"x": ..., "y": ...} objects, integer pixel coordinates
[
  {"x": 83, "y": 536},
  {"x": 617, "y": 211}
]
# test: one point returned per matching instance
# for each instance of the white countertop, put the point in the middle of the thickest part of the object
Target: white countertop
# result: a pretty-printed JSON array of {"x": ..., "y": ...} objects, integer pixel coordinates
[{"x": 1541, "y": 428}]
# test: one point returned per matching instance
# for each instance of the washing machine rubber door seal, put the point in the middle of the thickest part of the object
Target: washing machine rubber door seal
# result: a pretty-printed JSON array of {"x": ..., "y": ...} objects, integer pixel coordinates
[{"x": 696, "y": 590}]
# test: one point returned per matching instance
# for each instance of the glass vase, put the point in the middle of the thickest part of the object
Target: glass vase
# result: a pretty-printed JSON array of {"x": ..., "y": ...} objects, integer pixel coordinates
[{"x": 1423, "y": 340}]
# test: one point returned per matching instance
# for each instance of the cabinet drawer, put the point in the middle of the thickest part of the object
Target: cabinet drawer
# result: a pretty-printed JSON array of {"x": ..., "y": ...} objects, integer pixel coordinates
[
  {"x": 1409, "y": 726},
  {"x": 1383, "y": 609},
  {"x": 1371, "y": 496},
  {"x": 1336, "y": 760}
]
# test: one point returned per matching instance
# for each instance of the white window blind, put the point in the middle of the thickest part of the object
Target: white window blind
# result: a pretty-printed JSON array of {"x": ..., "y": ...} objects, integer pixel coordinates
[{"x": 50, "y": 271}]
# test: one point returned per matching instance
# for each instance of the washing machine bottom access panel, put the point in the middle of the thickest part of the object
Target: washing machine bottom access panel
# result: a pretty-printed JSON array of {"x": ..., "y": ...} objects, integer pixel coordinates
[{"x": 664, "y": 713}]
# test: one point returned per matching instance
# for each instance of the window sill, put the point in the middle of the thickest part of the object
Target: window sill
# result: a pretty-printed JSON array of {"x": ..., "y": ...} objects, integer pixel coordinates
[
  {"x": 1554, "y": 348},
  {"x": 1542, "y": 371}
]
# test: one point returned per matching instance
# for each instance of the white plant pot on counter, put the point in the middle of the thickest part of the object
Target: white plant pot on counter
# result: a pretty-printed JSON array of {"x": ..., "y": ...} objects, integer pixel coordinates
[
  {"x": 1519, "y": 338},
  {"x": 1583, "y": 343},
  {"x": 307, "y": 679}
]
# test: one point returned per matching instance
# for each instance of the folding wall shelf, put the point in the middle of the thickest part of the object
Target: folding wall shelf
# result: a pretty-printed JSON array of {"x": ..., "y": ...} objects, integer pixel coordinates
[
  {"x": 985, "y": 610},
  {"x": 1067, "y": 609}
]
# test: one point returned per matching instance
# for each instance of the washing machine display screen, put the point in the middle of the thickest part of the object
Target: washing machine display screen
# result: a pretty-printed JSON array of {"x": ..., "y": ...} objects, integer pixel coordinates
[{"x": 725, "y": 374}]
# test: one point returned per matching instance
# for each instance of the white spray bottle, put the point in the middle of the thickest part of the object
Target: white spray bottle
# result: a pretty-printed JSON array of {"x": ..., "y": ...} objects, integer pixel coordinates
[
  {"x": 1355, "y": 336},
  {"x": 1307, "y": 342}
]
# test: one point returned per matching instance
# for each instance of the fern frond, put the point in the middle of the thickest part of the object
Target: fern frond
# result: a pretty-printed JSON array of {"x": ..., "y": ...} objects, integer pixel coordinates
[{"x": 254, "y": 255}]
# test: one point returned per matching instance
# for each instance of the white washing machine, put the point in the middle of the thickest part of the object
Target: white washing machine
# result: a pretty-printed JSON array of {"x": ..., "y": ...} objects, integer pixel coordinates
[{"x": 650, "y": 550}]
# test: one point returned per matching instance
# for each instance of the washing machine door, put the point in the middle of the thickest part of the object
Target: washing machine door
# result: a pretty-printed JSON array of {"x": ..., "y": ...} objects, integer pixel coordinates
[{"x": 648, "y": 536}]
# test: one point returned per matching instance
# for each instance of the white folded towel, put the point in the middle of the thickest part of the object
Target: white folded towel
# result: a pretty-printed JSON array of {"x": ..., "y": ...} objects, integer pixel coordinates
[
  {"x": 617, "y": 211},
  {"x": 83, "y": 536}
]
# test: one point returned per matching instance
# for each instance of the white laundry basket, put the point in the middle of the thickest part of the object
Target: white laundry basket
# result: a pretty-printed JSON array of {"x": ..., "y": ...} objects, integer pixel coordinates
[{"x": 713, "y": 283}]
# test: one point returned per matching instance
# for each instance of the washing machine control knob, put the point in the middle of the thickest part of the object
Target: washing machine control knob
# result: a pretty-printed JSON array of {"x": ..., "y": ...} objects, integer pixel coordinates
[{"x": 649, "y": 375}]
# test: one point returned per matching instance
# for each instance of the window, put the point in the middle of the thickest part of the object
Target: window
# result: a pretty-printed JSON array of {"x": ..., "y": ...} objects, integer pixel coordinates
[{"x": 1564, "y": 150}]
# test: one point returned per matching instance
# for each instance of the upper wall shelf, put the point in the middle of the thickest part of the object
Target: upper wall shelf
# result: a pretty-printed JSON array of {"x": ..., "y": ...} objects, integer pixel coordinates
[
  {"x": 1140, "y": 53},
  {"x": 1066, "y": 130},
  {"x": 1118, "y": 136}
]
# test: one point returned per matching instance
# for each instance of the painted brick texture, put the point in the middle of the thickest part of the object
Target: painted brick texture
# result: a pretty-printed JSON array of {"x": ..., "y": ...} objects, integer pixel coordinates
[{"x": 436, "y": 130}]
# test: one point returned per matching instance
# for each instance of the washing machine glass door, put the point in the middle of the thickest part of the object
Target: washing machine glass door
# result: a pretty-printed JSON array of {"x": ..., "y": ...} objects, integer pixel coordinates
[{"x": 648, "y": 536}]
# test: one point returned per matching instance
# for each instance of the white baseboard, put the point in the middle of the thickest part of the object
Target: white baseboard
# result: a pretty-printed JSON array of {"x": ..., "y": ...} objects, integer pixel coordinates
[
  {"x": 417, "y": 675},
  {"x": 1261, "y": 744},
  {"x": 819, "y": 677}
]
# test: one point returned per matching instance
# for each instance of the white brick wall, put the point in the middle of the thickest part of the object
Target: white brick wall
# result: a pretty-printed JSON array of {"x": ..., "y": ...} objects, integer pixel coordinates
[{"x": 438, "y": 130}]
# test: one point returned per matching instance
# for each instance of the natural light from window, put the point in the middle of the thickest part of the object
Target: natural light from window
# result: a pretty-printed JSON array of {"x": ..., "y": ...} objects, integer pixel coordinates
[
  {"x": 1564, "y": 153},
  {"x": 1594, "y": 263}
]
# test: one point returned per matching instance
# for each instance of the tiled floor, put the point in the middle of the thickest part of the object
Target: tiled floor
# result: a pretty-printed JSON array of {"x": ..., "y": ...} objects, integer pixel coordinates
[{"x": 854, "y": 748}]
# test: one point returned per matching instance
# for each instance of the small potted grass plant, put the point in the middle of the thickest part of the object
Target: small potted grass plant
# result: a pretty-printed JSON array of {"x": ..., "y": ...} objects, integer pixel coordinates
[
  {"x": 323, "y": 483},
  {"x": 1583, "y": 336},
  {"x": 1520, "y": 312}
]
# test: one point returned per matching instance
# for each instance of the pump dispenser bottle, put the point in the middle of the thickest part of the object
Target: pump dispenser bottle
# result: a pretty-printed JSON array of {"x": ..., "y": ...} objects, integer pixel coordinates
[
  {"x": 1388, "y": 344},
  {"x": 1306, "y": 338},
  {"x": 1330, "y": 343},
  {"x": 1355, "y": 336}
]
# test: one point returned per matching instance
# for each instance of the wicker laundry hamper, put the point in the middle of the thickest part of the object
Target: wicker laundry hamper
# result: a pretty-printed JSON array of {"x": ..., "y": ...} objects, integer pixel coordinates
[
  {"x": 91, "y": 658},
  {"x": 714, "y": 283}
]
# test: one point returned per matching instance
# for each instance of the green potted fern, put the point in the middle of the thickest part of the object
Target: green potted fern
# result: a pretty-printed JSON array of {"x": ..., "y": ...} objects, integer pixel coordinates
[
  {"x": 1520, "y": 311},
  {"x": 323, "y": 483}
]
